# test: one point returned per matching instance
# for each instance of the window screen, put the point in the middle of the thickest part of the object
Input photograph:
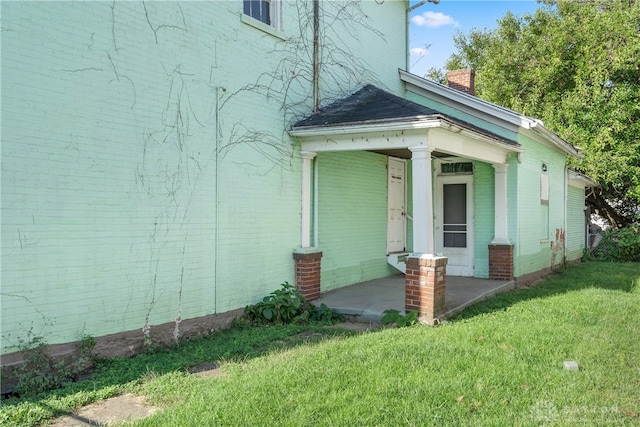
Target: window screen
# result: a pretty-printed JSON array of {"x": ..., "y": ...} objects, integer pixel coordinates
[{"x": 455, "y": 215}]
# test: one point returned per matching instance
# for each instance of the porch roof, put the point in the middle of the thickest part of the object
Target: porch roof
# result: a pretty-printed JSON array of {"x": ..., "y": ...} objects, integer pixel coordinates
[
  {"x": 369, "y": 104},
  {"x": 373, "y": 119}
]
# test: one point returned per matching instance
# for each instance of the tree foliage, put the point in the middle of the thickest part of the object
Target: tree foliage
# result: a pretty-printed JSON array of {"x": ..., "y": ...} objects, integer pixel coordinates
[{"x": 575, "y": 64}]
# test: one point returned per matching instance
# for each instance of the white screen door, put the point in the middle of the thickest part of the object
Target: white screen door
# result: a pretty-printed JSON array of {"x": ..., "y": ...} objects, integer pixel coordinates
[{"x": 454, "y": 223}]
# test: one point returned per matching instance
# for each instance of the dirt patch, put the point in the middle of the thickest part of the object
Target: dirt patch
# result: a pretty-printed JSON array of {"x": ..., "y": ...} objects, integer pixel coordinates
[
  {"x": 309, "y": 335},
  {"x": 358, "y": 326},
  {"x": 127, "y": 407},
  {"x": 206, "y": 369}
]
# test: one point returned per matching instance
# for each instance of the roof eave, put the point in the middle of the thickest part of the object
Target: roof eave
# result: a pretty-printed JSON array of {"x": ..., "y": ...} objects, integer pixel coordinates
[
  {"x": 424, "y": 122},
  {"x": 459, "y": 98},
  {"x": 462, "y": 100},
  {"x": 581, "y": 178},
  {"x": 400, "y": 125},
  {"x": 555, "y": 140}
]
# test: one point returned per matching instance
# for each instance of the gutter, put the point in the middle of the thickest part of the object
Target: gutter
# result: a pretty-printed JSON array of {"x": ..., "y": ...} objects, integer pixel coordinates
[
  {"x": 395, "y": 125},
  {"x": 485, "y": 110},
  {"x": 462, "y": 99},
  {"x": 419, "y": 122},
  {"x": 538, "y": 127},
  {"x": 582, "y": 178}
]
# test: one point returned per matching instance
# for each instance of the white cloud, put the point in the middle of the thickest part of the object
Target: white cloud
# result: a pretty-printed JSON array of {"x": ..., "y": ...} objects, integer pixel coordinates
[
  {"x": 418, "y": 51},
  {"x": 433, "y": 20}
]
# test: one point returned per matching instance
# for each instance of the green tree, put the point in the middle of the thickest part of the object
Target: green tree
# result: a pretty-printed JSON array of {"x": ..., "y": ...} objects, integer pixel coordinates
[{"x": 575, "y": 64}]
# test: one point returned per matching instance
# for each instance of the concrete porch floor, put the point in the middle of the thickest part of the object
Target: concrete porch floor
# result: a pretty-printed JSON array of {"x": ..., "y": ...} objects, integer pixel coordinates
[{"x": 367, "y": 301}]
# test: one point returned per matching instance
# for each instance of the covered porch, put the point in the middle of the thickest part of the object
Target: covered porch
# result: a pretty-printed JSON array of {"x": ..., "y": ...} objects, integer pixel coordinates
[
  {"x": 367, "y": 301},
  {"x": 376, "y": 121}
]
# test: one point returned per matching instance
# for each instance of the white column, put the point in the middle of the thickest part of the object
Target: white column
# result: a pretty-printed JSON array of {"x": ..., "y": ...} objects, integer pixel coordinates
[
  {"x": 422, "y": 200},
  {"x": 501, "y": 229},
  {"x": 306, "y": 157}
]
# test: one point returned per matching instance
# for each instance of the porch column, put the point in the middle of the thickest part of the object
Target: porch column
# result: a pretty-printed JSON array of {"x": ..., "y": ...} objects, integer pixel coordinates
[
  {"x": 422, "y": 200},
  {"x": 307, "y": 157},
  {"x": 501, "y": 229},
  {"x": 307, "y": 259},
  {"x": 501, "y": 249}
]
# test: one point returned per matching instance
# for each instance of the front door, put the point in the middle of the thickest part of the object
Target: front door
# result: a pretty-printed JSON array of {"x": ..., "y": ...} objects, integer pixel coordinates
[
  {"x": 396, "y": 219},
  {"x": 454, "y": 223}
]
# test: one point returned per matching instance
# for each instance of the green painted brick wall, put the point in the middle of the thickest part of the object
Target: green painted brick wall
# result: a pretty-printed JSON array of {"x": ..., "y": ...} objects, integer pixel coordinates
[
  {"x": 575, "y": 223},
  {"x": 461, "y": 115},
  {"x": 147, "y": 174},
  {"x": 533, "y": 250},
  {"x": 484, "y": 189},
  {"x": 352, "y": 217}
]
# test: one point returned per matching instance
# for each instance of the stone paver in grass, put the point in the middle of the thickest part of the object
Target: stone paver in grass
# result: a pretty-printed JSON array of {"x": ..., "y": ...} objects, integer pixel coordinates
[{"x": 127, "y": 407}]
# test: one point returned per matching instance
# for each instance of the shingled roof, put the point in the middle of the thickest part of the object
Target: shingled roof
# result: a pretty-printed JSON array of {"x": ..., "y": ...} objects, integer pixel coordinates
[
  {"x": 369, "y": 104},
  {"x": 372, "y": 105}
]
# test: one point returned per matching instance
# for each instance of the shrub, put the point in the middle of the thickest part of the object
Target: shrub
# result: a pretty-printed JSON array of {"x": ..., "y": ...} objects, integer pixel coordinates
[
  {"x": 393, "y": 317},
  {"x": 619, "y": 244},
  {"x": 288, "y": 305},
  {"x": 40, "y": 372}
]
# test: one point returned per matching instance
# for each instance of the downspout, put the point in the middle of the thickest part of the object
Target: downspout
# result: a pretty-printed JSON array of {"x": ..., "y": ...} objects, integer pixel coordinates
[
  {"x": 316, "y": 55},
  {"x": 566, "y": 214},
  {"x": 217, "y": 201}
]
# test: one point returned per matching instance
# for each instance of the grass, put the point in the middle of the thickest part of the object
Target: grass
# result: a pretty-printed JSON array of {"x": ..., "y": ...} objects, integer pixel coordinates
[
  {"x": 121, "y": 375},
  {"x": 498, "y": 363}
]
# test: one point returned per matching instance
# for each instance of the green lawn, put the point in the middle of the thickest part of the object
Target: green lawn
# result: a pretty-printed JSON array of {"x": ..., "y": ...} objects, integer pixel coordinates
[{"x": 499, "y": 363}]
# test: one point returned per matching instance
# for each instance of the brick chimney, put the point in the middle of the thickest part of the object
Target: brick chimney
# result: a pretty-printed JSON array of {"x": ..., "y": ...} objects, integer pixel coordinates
[{"x": 462, "y": 80}]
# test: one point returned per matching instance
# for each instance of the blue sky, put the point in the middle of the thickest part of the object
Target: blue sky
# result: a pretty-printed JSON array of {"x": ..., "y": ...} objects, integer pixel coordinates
[{"x": 433, "y": 26}]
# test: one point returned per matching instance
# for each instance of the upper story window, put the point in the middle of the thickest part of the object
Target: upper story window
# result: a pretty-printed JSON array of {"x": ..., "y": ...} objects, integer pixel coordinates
[{"x": 265, "y": 11}]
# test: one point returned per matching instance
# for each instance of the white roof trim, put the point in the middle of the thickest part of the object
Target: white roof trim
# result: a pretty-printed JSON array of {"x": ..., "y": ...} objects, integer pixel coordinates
[
  {"x": 399, "y": 125},
  {"x": 577, "y": 179},
  {"x": 436, "y": 132},
  {"x": 556, "y": 141},
  {"x": 425, "y": 122},
  {"x": 462, "y": 99},
  {"x": 482, "y": 109}
]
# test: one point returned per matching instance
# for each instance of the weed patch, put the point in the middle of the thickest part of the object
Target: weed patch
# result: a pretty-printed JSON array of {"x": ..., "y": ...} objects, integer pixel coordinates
[{"x": 288, "y": 305}]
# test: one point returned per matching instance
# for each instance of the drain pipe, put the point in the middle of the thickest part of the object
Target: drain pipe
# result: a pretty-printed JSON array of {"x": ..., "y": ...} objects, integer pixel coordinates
[
  {"x": 316, "y": 55},
  {"x": 566, "y": 213},
  {"x": 216, "y": 236}
]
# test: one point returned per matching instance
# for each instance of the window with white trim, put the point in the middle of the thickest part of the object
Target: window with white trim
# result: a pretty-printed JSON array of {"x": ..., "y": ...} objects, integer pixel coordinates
[
  {"x": 544, "y": 203},
  {"x": 265, "y": 11},
  {"x": 457, "y": 168}
]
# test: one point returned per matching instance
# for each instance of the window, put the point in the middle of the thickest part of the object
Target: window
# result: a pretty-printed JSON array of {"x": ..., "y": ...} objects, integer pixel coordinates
[
  {"x": 265, "y": 11},
  {"x": 544, "y": 185},
  {"x": 544, "y": 203},
  {"x": 457, "y": 168}
]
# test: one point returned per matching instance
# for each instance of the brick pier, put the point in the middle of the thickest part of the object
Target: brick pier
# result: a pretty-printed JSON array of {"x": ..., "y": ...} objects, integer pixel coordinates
[
  {"x": 425, "y": 281},
  {"x": 501, "y": 262},
  {"x": 307, "y": 266}
]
